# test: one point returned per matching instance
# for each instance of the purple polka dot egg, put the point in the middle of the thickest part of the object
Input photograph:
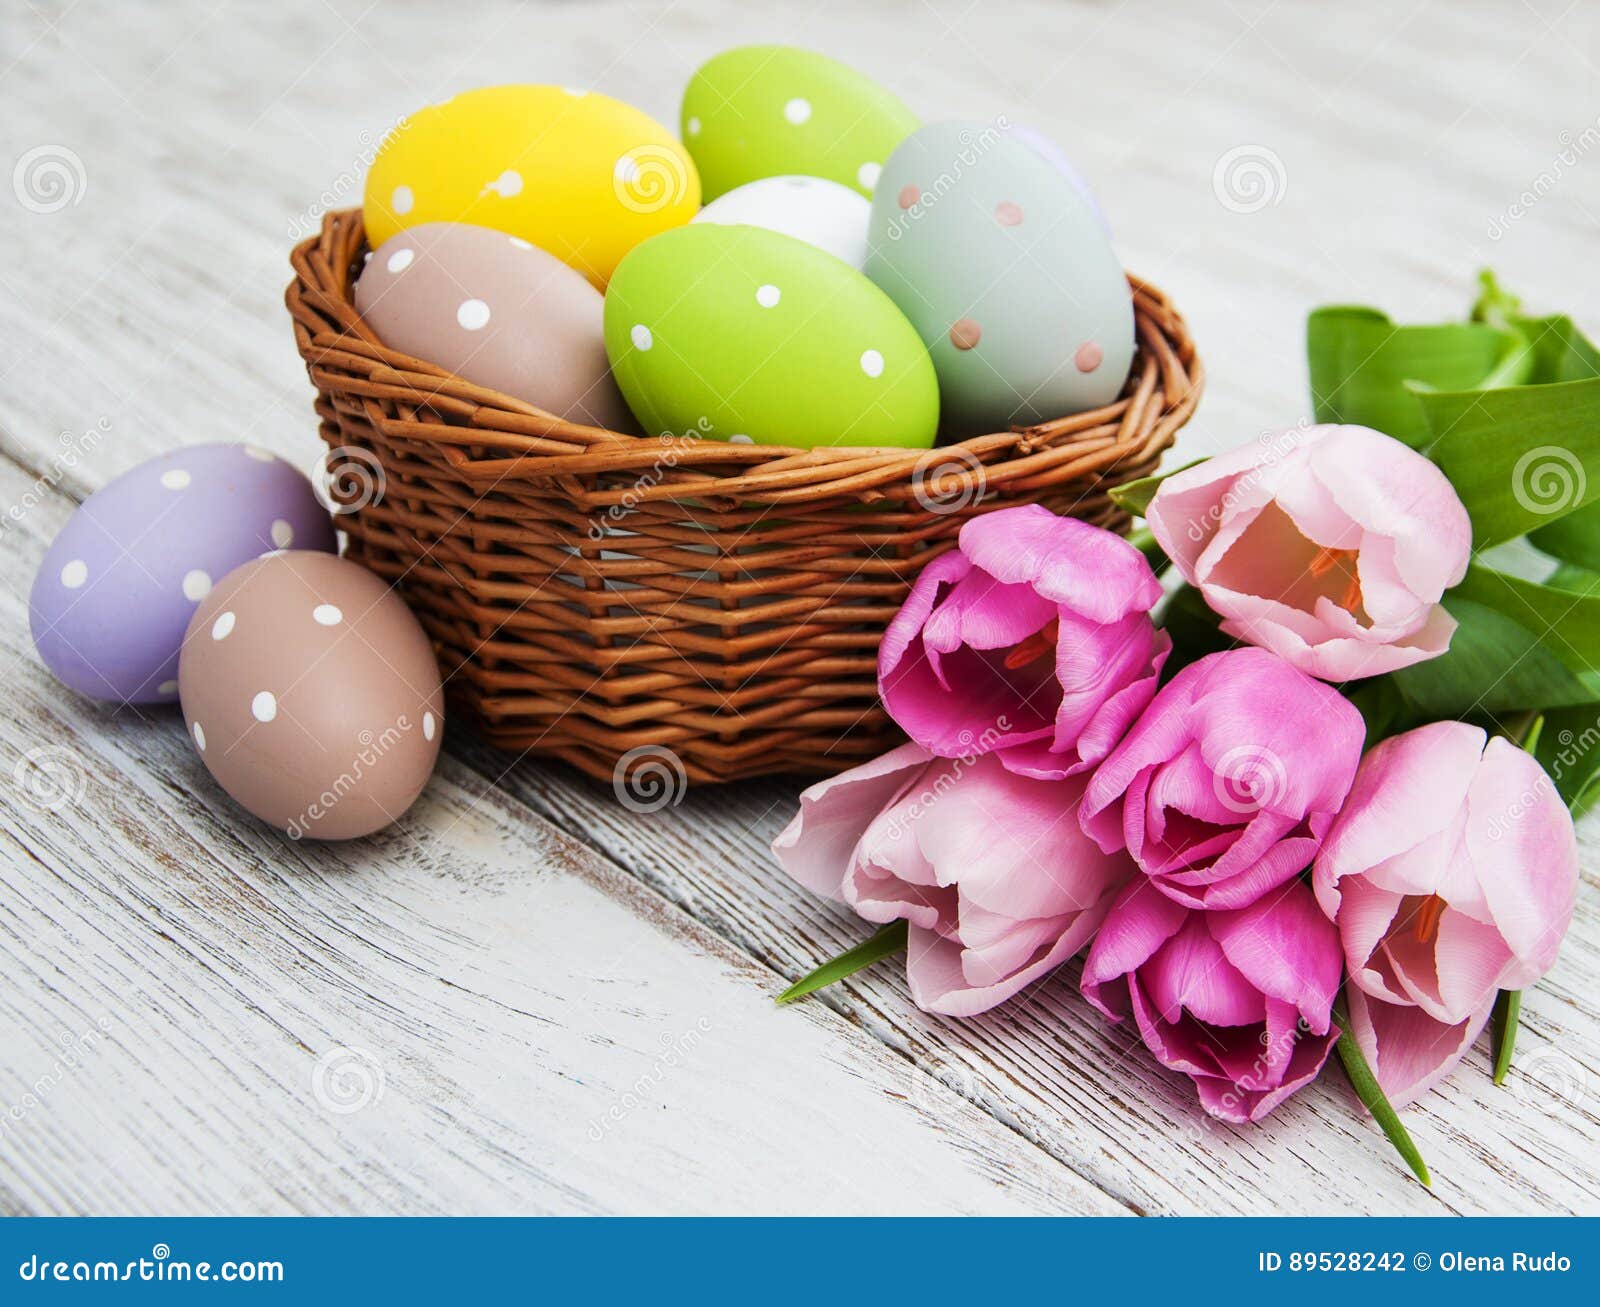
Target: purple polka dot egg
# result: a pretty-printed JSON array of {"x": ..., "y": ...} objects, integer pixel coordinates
[{"x": 119, "y": 584}]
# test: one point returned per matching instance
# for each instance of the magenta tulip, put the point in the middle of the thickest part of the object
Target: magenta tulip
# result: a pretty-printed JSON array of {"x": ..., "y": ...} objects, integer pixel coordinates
[
  {"x": 990, "y": 870},
  {"x": 1239, "y": 1001},
  {"x": 1329, "y": 545},
  {"x": 1032, "y": 639},
  {"x": 1452, "y": 874},
  {"x": 1225, "y": 786}
]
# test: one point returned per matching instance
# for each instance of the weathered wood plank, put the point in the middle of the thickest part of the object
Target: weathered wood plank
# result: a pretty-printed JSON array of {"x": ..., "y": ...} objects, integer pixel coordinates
[
  {"x": 1390, "y": 140},
  {"x": 472, "y": 1013}
]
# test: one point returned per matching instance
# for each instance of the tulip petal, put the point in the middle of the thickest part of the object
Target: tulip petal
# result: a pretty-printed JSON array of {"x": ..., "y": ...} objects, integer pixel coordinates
[
  {"x": 1190, "y": 973},
  {"x": 817, "y": 847},
  {"x": 1391, "y": 490},
  {"x": 1014, "y": 844},
  {"x": 1092, "y": 571},
  {"x": 1286, "y": 949},
  {"x": 938, "y": 982},
  {"x": 1139, "y": 922},
  {"x": 1408, "y": 788},
  {"x": 954, "y": 698},
  {"x": 1409, "y": 1052},
  {"x": 1525, "y": 856}
]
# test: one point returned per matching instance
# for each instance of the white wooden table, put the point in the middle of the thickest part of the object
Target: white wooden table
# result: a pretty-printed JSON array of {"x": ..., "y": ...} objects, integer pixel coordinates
[{"x": 529, "y": 999}]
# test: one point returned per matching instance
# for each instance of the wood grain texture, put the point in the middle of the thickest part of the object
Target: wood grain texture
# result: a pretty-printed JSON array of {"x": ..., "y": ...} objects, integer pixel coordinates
[
  {"x": 471, "y": 1013},
  {"x": 516, "y": 982}
]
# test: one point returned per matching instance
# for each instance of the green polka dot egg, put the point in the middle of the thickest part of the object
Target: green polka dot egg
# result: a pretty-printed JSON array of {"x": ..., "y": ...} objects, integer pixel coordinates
[
  {"x": 774, "y": 110},
  {"x": 747, "y": 335}
]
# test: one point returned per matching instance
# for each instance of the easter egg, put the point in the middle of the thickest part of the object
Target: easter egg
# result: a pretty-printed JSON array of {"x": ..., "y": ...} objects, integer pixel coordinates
[
  {"x": 496, "y": 311},
  {"x": 743, "y": 334},
  {"x": 312, "y": 694},
  {"x": 118, "y": 585},
  {"x": 576, "y": 173},
  {"x": 770, "y": 110},
  {"x": 1056, "y": 157},
  {"x": 812, "y": 209},
  {"x": 1006, "y": 273}
]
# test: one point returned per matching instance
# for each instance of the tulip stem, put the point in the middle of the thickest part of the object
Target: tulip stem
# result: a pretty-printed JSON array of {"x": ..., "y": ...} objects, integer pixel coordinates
[
  {"x": 1373, "y": 1098},
  {"x": 888, "y": 941},
  {"x": 1507, "y": 1016}
]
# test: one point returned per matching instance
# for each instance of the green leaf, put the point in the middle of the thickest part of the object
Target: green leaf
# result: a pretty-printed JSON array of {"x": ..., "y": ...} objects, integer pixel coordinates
[
  {"x": 1369, "y": 370},
  {"x": 1568, "y": 749},
  {"x": 1574, "y": 538},
  {"x": 887, "y": 942},
  {"x": 1135, "y": 496},
  {"x": 1565, "y": 622},
  {"x": 1373, "y": 1099},
  {"x": 1560, "y": 352},
  {"x": 1382, "y": 706},
  {"x": 1194, "y": 629},
  {"x": 1507, "y": 1015},
  {"x": 1494, "y": 665},
  {"x": 1521, "y": 458},
  {"x": 1530, "y": 737}
]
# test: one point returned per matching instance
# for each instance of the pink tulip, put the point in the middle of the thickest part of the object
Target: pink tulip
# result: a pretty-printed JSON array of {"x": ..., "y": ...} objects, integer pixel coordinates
[
  {"x": 1451, "y": 874},
  {"x": 990, "y": 870},
  {"x": 1239, "y": 1001},
  {"x": 1033, "y": 639},
  {"x": 1329, "y": 545},
  {"x": 1225, "y": 786}
]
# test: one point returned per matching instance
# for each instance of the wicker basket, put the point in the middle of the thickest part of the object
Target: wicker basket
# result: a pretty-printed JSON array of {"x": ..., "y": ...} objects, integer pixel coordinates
[{"x": 602, "y": 597}]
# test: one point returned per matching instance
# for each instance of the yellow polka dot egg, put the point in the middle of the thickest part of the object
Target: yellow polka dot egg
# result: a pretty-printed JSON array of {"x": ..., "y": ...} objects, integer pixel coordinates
[{"x": 578, "y": 174}]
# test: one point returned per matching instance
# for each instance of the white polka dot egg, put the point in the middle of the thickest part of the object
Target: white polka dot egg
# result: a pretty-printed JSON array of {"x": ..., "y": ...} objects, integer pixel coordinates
[
  {"x": 119, "y": 584},
  {"x": 312, "y": 695}
]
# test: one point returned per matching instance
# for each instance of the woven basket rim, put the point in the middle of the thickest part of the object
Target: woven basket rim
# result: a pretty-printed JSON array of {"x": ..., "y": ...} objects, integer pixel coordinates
[{"x": 491, "y": 436}]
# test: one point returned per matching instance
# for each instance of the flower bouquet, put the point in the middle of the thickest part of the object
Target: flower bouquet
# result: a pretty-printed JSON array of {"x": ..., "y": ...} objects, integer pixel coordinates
[{"x": 1313, "y": 793}]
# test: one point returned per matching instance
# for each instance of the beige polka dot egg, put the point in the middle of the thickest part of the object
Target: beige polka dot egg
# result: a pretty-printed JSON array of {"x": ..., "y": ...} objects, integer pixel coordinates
[{"x": 312, "y": 695}]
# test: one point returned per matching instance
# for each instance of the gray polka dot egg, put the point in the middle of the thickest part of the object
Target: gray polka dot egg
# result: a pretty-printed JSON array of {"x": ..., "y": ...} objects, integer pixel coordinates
[
  {"x": 118, "y": 585},
  {"x": 312, "y": 695},
  {"x": 1004, "y": 268}
]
